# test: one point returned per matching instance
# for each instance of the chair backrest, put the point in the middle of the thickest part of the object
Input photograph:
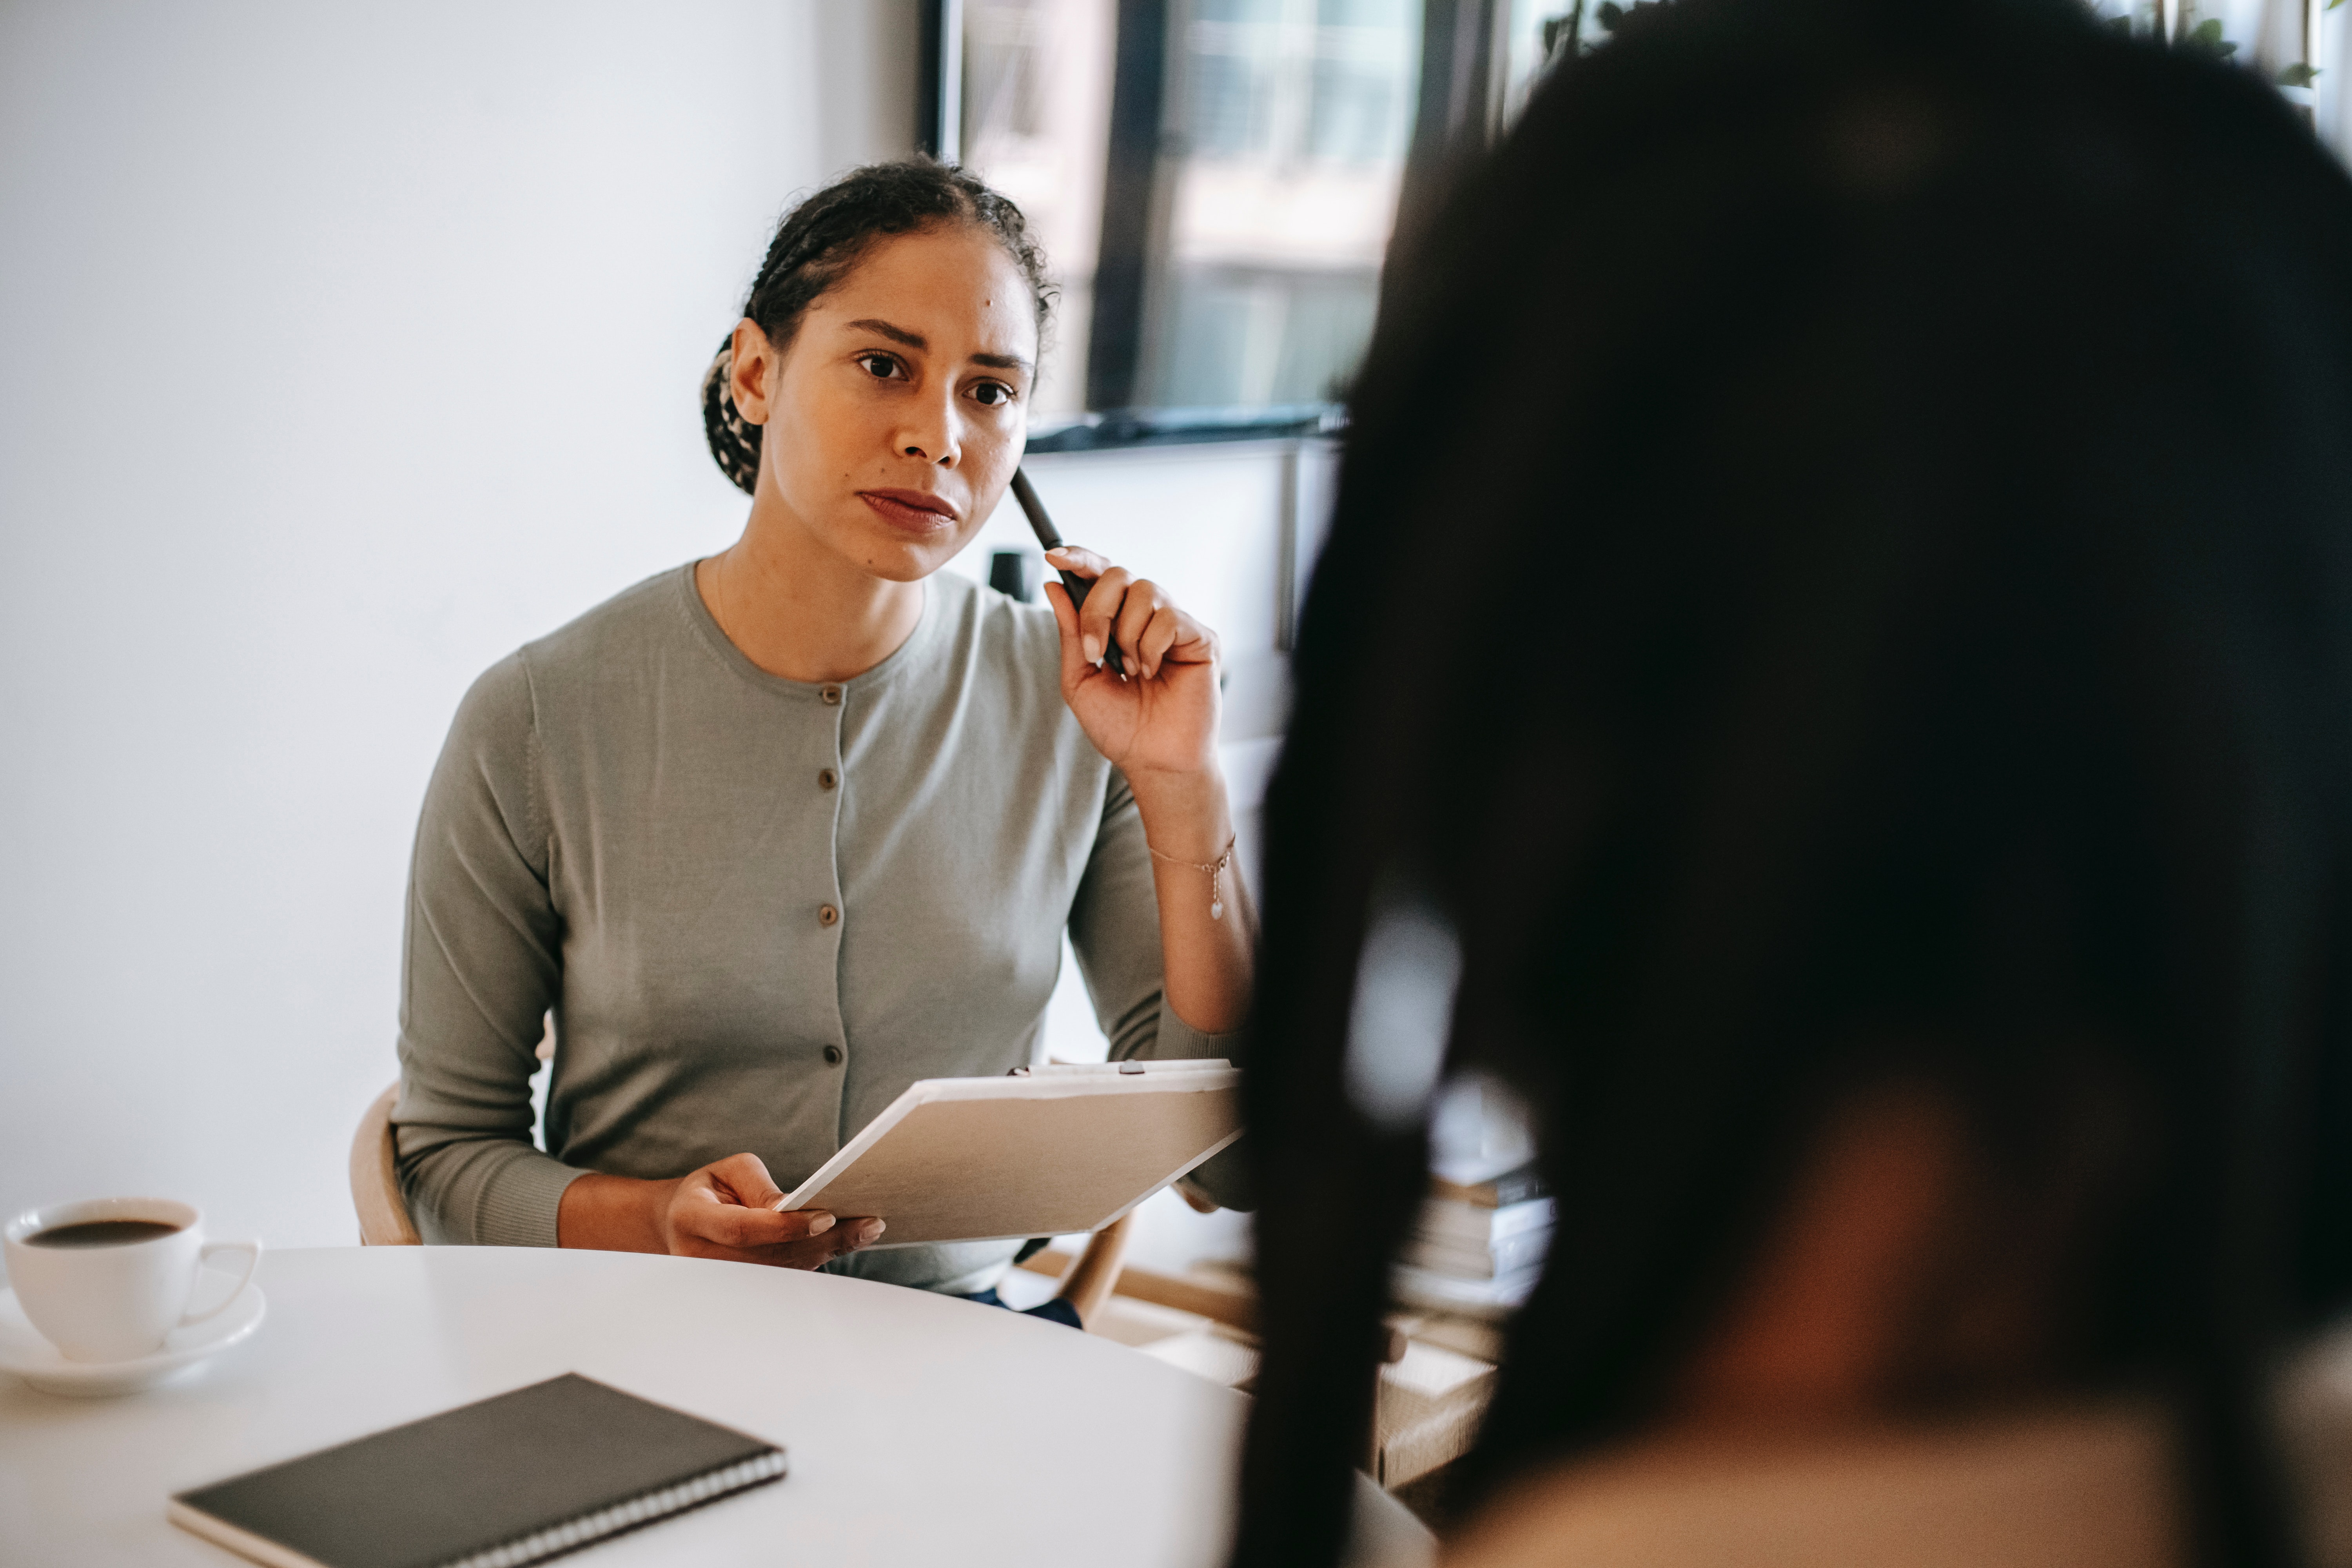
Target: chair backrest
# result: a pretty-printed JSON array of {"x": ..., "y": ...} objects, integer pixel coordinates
[{"x": 375, "y": 1179}]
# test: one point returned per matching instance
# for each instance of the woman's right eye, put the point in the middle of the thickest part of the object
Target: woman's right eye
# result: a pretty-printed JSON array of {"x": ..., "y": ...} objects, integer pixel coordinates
[{"x": 883, "y": 367}]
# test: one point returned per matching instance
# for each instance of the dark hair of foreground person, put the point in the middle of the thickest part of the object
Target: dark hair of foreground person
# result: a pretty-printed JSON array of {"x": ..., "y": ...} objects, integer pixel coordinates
[{"x": 1842, "y": 577}]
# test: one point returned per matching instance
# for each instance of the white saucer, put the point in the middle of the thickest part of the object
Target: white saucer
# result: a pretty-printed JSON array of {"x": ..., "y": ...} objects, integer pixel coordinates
[{"x": 24, "y": 1351}]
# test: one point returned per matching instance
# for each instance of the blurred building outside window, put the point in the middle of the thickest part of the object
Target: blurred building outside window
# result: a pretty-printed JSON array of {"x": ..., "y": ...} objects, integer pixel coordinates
[
  {"x": 1263, "y": 206},
  {"x": 1285, "y": 125},
  {"x": 1289, "y": 124},
  {"x": 1036, "y": 125}
]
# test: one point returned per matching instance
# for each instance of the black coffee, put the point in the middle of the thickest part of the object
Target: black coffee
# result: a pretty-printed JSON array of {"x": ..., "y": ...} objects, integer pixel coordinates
[{"x": 100, "y": 1233}]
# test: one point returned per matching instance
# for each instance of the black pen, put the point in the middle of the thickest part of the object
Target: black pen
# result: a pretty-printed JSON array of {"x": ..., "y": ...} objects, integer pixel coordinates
[{"x": 1043, "y": 526}]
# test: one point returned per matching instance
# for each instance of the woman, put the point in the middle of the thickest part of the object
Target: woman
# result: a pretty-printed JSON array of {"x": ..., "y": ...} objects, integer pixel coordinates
[
  {"x": 1883, "y": 762},
  {"x": 777, "y": 833}
]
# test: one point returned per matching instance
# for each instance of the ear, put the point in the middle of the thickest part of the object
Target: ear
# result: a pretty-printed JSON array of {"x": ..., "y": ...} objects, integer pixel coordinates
[
  {"x": 1819, "y": 1328},
  {"x": 753, "y": 375}
]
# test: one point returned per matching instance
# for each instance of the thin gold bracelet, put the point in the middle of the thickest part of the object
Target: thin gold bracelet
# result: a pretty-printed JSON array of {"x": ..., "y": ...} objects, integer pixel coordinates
[{"x": 1217, "y": 904}]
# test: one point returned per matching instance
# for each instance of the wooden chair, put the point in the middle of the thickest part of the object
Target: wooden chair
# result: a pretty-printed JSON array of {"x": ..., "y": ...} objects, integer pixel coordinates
[
  {"x": 375, "y": 1179},
  {"x": 384, "y": 1221}
]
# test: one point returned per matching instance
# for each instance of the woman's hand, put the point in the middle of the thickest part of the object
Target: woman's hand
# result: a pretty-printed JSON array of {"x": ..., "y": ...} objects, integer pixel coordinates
[
  {"x": 1158, "y": 725},
  {"x": 1161, "y": 716},
  {"x": 727, "y": 1209}
]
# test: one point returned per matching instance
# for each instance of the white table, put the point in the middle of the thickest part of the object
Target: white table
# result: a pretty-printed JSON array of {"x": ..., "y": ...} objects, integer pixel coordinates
[{"x": 922, "y": 1430}]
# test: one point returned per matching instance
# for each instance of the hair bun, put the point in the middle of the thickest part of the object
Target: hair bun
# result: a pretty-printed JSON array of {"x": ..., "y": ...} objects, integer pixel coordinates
[{"x": 733, "y": 442}]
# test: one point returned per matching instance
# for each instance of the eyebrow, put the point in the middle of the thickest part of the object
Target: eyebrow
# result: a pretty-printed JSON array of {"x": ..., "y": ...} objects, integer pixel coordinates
[
  {"x": 900, "y": 335},
  {"x": 896, "y": 334}
]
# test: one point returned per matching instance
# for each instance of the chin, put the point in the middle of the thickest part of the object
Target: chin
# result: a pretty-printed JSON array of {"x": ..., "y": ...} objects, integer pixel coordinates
[
  {"x": 892, "y": 555},
  {"x": 899, "y": 560},
  {"x": 912, "y": 570}
]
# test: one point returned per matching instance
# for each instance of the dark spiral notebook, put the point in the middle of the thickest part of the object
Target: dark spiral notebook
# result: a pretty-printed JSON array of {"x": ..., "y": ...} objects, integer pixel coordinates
[{"x": 519, "y": 1479}]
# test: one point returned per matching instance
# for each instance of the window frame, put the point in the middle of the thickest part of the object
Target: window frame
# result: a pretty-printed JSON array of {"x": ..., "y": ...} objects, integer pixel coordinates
[{"x": 1457, "y": 110}]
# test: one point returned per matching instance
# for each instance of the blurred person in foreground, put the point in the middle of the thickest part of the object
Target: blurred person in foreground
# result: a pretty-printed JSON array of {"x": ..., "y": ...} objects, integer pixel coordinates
[{"x": 1838, "y": 631}]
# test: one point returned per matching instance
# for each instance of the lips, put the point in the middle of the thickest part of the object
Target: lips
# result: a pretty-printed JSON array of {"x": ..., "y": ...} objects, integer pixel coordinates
[{"x": 915, "y": 512}]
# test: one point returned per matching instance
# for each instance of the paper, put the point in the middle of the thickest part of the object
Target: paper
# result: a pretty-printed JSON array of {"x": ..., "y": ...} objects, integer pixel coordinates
[{"x": 1054, "y": 1151}]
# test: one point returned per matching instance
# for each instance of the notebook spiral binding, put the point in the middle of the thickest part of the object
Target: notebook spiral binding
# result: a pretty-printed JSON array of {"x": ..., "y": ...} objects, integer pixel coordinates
[{"x": 556, "y": 1539}]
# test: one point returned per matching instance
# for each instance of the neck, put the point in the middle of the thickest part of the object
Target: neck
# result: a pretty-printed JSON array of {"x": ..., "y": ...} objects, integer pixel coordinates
[{"x": 799, "y": 610}]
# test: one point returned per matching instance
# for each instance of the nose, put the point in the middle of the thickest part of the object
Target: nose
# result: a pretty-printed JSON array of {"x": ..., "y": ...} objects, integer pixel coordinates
[{"x": 932, "y": 432}]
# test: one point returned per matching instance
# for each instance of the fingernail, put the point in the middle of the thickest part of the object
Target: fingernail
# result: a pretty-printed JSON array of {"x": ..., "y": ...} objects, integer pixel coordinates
[
  {"x": 1091, "y": 645},
  {"x": 871, "y": 1229},
  {"x": 1060, "y": 550},
  {"x": 819, "y": 1223}
]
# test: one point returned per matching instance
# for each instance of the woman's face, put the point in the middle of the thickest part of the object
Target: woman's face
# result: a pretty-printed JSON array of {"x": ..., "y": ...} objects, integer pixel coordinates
[{"x": 896, "y": 415}]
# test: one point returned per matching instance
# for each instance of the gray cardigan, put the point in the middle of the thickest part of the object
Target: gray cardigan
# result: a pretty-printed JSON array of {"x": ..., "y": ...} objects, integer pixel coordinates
[{"x": 759, "y": 908}]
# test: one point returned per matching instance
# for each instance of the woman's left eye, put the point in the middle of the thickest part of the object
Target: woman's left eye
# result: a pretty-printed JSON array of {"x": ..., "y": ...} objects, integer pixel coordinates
[
  {"x": 991, "y": 395},
  {"x": 882, "y": 367}
]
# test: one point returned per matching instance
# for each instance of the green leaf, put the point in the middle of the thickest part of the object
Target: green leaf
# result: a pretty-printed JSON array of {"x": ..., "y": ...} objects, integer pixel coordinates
[
  {"x": 2206, "y": 38},
  {"x": 2297, "y": 76}
]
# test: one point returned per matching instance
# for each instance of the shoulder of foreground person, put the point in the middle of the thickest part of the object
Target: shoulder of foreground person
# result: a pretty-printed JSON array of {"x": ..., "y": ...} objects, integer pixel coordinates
[
  {"x": 2316, "y": 1426},
  {"x": 2090, "y": 1488}
]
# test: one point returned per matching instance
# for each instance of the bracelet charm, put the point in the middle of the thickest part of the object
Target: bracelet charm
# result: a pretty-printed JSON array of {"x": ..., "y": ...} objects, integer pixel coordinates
[{"x": 1216, "y": 900}]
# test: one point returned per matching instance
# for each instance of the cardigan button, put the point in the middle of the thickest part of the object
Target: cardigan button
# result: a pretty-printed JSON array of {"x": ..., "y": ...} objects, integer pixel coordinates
[
  {"x": 826, "y": 915},
  {"x": 833, "y": 1056},
  {"x": 826, "y": 778},
  {"x": 832, "y": 695}
]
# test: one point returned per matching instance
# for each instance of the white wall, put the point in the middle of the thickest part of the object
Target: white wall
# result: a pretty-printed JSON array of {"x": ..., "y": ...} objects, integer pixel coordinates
[{"x": 341, "y": 350}]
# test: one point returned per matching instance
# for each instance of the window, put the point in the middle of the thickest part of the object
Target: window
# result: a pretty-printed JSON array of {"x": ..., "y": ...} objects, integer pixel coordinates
[
  {"x": 1215, "y": 182},
  {"x": 1283, "y": 158},
  {"x": 1035, "y": 115}
]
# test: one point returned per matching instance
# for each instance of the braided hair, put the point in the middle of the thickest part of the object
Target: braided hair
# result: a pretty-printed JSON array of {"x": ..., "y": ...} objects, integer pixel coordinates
[{"x": 821, "y": 239}]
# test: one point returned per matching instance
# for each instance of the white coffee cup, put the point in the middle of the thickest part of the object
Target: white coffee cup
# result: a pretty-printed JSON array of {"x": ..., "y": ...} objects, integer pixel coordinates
[{"x": 97, "y": 1299}]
